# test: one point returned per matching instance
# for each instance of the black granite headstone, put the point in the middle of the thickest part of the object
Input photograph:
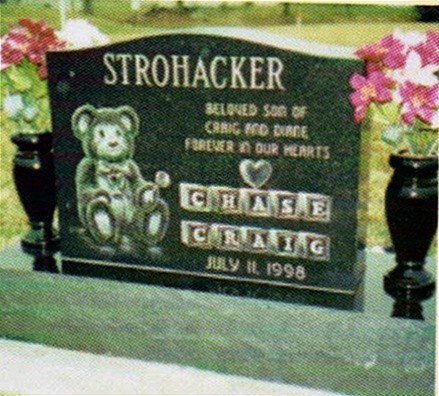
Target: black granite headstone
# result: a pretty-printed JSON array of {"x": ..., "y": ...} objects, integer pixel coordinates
[{"x": 218, "y": 160}]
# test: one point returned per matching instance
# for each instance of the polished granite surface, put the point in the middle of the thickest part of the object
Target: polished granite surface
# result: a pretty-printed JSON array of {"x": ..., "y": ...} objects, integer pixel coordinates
[{"x": 367, "y": 353}]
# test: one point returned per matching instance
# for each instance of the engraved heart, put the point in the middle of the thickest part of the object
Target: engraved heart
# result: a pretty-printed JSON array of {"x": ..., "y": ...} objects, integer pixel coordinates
[{"x": 255, "y": 173}]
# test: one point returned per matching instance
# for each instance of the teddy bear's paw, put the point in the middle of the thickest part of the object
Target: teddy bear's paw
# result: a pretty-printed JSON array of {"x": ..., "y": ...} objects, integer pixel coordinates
[
  {"x": 162, "y": 179},
  {"x": 148, "y": 195},
  {"x": 101, "y": 223}
]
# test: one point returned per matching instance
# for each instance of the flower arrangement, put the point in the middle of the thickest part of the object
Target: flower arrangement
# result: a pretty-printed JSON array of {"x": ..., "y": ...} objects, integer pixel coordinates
[
  {"x": 24, "y": 92},
  {"x": 24, "y": 74},
  {"x": 400, "y": 89}
]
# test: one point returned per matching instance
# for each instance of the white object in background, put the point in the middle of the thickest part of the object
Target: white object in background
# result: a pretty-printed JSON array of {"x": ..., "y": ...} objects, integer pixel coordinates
[
  {"x": 135, "y": 5},
  {"x": 79, "y": 33}
]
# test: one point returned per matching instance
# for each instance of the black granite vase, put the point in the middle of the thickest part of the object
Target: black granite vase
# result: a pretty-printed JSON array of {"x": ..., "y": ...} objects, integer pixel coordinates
[
  {"x": 411, "y": 211},
  {"x": 34, "y": 177}
]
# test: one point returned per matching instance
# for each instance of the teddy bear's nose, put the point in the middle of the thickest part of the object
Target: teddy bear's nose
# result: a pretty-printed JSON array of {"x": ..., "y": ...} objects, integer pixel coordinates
[{"x": 112, "y": 143}]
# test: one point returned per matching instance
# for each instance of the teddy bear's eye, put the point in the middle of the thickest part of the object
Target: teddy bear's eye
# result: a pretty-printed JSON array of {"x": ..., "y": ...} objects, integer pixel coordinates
[
  {"x": 101, "y": 133},
  {"x": 118, "y": 133}
]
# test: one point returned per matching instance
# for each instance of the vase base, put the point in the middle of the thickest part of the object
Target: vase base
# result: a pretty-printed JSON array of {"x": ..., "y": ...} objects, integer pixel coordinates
[
  {"x": 45, "y": 263},
  {"x": 408, "y": 309},
  {"x": 409, "y": 283},
  {"x": 38, "y": 241}
]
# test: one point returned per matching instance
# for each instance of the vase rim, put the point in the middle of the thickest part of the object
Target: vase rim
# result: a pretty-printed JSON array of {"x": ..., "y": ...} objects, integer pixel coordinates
[
  {"x": 413, "y": 163},
  {"x": 37, "y": 141},
  {"x": 405, "y": 155},
  {"x": 32, "y": 134}
]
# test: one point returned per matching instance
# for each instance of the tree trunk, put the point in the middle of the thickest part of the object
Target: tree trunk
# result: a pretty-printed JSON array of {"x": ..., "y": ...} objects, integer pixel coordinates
[
  {"x": 88, "y": 7},
  {"x": 180, "y": 5},
  {"x": 286, "y": 9}
]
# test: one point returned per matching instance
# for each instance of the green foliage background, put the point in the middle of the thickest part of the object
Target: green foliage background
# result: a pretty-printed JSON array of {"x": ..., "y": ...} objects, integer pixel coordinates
[{"x": 350, "y": 25}]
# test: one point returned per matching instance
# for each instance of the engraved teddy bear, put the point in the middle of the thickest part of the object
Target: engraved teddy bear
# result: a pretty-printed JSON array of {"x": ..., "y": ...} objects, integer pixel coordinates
[{"x": 114, "y": 201}]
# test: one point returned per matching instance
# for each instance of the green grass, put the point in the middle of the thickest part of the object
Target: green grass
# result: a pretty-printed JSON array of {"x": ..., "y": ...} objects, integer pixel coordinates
[
  {"x": 349, "y": 34},
  {"x": 12, "y": 218},
  {"x": 344, "y": 25},
  {"x": 111, "y": 15}
]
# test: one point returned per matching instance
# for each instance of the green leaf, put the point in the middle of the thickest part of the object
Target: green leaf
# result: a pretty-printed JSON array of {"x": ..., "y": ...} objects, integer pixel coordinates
[
  {"x": 42, "y": 120},
  {"x": 39, "y": 86},
  {"x": 30, "y": 112},
  {"x": 7, "y": 124},
  {"x": 385, "y": 113},
  {"x": 379, "y": 117},
  {"x": 422, "y": 141},
  {"x": 19, "y": 79},
  {"x": 5, "y": 86}
]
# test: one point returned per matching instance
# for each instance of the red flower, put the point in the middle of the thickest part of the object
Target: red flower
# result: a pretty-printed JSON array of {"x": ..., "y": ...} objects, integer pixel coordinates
[
  {"x": 32, "y": 27},
  {"x": 36, "y": 29},
  {"x": 42, "y": 71},
  {"x": 36, "y": 57},
  {"x": 32, "y": 40},
  {"x": 375, "y": 88},
  {"x": 9, "y": 55},
  {"x": 418, "y": 101},
  {"x": 18, "y": 36}
]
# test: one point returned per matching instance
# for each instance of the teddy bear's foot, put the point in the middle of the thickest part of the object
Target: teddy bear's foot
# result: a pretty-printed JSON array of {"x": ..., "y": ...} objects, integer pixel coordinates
[
  {"x": 150, "y": 228},
  {"x": 101, "y": 223}
]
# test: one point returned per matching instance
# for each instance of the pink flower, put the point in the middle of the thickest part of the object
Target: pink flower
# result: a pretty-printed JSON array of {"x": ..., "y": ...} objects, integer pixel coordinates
[
  {"x": 373, "y": 55},
  {"x": 375, "y": 88},
  {"x": 371, "y": 52},
  {"x": 435, "y": 119},
  {"x": 372, "y": 67},
  {"x": 9, "y": 55},
  {"x": 388, "y": 52},
  {"x": 418, "y": 101},
  {"x": 429, "y": 49},
  {"x": 395, "y": 56}
]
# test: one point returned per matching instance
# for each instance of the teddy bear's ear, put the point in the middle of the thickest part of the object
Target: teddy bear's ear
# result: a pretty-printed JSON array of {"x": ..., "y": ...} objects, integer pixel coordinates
[
  {"x": 129, "y": 119},
  {"x": 82, "y": 119}
]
